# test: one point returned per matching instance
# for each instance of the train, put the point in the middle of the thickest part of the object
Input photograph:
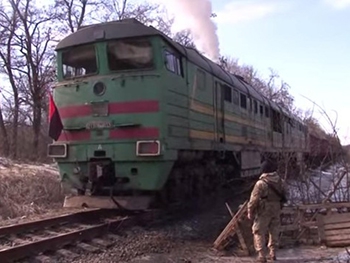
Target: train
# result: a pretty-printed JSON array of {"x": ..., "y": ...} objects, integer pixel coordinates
[
  {"x": 148, "y": 122},
  {"x": 324, "y": 150}
]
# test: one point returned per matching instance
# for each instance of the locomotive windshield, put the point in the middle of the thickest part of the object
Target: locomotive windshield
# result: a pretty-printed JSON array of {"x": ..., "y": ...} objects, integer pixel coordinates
[
  {"x": 129, "y": 54},
  {"x": 79, "y": 61}
]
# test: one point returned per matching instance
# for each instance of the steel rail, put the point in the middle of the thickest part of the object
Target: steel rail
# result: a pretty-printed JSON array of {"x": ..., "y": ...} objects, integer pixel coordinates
[
  {"x": 55, "y": 242},
  {"x": 21, "y": 251},
  {"x": 81, "y": 216}
]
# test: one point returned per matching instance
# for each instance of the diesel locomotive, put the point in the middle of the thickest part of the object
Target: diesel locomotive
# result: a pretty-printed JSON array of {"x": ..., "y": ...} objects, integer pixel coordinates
[{"x": 147, "y": 121}]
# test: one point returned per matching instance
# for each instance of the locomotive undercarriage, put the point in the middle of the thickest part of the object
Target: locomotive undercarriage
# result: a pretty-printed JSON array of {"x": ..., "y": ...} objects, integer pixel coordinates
[
  {"x": 197, "y": 175},
  {"x": 194, "y": 176}
]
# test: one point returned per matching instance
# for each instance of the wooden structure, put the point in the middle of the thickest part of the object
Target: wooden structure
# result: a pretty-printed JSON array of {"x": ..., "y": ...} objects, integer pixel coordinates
[
  {"x": 334, "y": 229},
  {"x": 310, "y": 223},
  {"x": 237, "y": 226}
]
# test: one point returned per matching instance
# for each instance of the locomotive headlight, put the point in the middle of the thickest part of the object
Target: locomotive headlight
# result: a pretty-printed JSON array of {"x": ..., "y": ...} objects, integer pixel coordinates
[
  {"x": 99, "y": 88},
  {"x": 148, "y": 148},
  {"x": 57, "y": 150}
]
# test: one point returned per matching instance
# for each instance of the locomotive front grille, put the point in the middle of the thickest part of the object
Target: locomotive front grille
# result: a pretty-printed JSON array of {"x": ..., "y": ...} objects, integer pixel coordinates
[{"x": 102, "y": 177}]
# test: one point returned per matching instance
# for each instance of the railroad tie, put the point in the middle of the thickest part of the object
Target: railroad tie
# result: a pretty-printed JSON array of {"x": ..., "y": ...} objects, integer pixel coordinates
[
  {"x": 88, "y": 247},
  {"x": 67, "y": 254}
]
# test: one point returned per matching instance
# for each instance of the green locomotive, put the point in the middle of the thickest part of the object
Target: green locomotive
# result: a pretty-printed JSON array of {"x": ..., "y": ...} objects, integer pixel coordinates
[{"x": 145, "y": 118}]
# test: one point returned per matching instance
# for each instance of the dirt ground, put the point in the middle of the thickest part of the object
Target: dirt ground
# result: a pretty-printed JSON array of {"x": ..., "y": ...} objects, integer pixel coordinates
[
  {"x": 190, "y": 239},
  {"x": 200, "y": 253}
]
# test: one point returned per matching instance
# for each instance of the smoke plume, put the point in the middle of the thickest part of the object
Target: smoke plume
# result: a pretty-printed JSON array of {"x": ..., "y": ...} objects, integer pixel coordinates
[{"x": 195, "y": 16}]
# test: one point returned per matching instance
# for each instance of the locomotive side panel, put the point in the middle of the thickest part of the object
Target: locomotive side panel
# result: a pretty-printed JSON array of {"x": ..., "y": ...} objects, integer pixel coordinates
[
  {"x": 175, "y": 97},
  {"x": 203, "y": 118}
]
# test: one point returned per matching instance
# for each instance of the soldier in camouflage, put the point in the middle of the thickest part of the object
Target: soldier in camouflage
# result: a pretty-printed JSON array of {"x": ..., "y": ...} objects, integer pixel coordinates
[{"x": 264, "y": 208}]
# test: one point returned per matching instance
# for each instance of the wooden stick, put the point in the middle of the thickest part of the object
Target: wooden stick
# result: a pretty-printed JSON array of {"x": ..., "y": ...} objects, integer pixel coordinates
[
  {"x": 230, "y": 230},
  {"x": 239, "y": 233}
]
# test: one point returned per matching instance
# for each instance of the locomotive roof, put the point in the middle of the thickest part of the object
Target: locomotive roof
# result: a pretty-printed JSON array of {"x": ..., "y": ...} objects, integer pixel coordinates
[
  {"x": 107, "y": 31},
  {"x": 128, "y": 28}
]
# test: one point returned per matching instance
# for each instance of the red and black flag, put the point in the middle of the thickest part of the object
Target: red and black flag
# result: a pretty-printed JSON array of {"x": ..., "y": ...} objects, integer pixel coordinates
[{"x": 55, "y": 122}]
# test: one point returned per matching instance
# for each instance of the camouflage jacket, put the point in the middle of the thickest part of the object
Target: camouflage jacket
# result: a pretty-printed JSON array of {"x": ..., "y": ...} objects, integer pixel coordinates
[{"x": 262, "y": 191}]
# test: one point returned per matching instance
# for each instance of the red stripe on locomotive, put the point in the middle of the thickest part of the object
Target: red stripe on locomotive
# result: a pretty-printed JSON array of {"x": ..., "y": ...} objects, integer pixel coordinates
[
  {"x": 123, "y": 133},
  {"x": 134, "y": 133},
  {"x": 143, "y": 106}
]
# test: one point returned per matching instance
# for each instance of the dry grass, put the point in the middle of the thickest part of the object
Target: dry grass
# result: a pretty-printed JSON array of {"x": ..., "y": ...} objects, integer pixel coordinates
[{"x": 28, "y": 189}]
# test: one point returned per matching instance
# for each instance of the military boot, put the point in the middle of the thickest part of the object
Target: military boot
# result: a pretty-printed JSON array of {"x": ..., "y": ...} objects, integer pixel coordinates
[
  {"x": 272, "y": 255},
  {"x": 261, "y": 257}
]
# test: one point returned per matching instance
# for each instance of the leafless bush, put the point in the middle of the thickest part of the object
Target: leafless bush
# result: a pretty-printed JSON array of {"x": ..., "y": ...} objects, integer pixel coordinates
[{"x": 315, "y": 185}]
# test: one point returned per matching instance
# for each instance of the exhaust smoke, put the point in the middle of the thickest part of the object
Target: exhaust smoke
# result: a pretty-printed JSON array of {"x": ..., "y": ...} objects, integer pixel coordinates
[{"x": 195, "y": 15}]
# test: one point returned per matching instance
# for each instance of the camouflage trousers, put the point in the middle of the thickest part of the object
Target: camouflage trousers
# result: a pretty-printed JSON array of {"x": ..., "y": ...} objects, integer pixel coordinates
[{"x": 266, "y": 222}]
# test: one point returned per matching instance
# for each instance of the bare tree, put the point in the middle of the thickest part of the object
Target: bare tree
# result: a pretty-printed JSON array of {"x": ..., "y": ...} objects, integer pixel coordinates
[
  {"x": 4, "y": 141},
  {"x": 146, "y": 12},
  {"x": 71, "y": 14},
  {"x": 185, "y": 38},
  {"x": 9, "y": 24},
  {"x": 26, "y": 57},
  {"x": 34, "y": 44},
  {"x": 279, "y": 93},
  {"x": 164, "y": 23}
]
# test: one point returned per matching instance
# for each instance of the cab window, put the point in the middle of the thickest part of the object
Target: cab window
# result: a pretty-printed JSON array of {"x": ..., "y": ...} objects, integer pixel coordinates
[
  {"x": 130, "y": 54},
  {"x": 173, "y": 63},
  {"x": 79, "y": 61}
]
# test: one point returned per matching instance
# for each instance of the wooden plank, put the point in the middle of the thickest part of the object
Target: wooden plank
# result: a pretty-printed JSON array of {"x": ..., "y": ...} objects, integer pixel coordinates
[
  {"x": 336, "y": 226},
  {"x": 334, "y": 230},
  {"x": 288, "y": 211},
  {"x": 325, "y": 220},
  {"x": 239, "y": 234},
  {"x": 340, "y": 243},
  {"x": 338, "y": 237},
  {"x": 320, "y": 227},
  {"x": 324, "y": 206},
  {"x": 304, "y": 228},
  {"x": 242, "y": 241},
  {"x": 336, "y": 218},
  {"x": 308, "y": 224},
  {"x": 230, "y": 230}
]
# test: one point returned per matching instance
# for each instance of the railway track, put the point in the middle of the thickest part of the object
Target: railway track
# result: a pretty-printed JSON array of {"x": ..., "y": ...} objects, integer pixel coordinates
[
  {"x": 42, "y": 239},
  {"x": 48, "y": 239}
]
